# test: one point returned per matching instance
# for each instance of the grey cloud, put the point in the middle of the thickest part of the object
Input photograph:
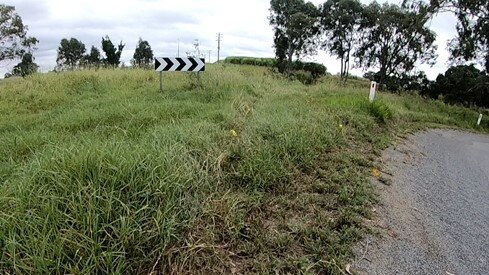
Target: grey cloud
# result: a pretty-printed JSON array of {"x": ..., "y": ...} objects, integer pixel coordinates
[
  {"x": 163, "y": 19},
  {"x": 31, "y": 11}
]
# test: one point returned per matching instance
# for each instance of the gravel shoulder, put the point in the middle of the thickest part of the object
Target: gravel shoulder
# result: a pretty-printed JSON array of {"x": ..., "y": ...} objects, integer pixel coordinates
[{"x": 434, "y": 217}]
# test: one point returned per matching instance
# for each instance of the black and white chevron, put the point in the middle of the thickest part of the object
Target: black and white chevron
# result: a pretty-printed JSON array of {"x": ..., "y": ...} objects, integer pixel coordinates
[{"x": 181, "y": 64}]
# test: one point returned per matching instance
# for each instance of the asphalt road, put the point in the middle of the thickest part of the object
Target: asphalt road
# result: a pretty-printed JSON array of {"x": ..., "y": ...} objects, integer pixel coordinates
[{"x": 434, "y": 217}]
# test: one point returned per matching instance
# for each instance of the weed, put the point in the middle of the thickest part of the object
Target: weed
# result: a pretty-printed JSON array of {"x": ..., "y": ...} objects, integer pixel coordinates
[{"x": 380, "y": 111}]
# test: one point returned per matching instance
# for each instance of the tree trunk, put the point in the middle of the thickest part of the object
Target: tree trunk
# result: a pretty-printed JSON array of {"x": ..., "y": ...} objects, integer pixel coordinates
[
  {"x": 382, "y": 78},
  {"x": 487, "y": 62},
  {"x": 347, "y": 65},
  {"x": 383, "y": 65},
  {"x": 290, "y": 55},
  {"x": 341, "y": 69}
]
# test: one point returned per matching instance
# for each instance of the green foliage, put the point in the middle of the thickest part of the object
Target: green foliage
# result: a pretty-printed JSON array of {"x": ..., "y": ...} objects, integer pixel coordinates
[
  {"x": 306, "y": 72},
  {"x": 304, "y": 77},
  {"x": 340, "y": 21},
  {"x": 25, "y": 67},
  {"x": 472, "y": 41},
  {"x": 14, "y": 42},
  {"x": 410, "y": 41},
  {"x": 315, "y": 69},
  {"x": 380, "y": 111},
  {"x": 403, "y": 82},
  {"x": 102, "y": 174},
  {"x": 295, "y": 27},
  {"x": 461, "y": 85},
  {"x": 112, "y": 55},
  {"x": 143, "y": 55},
  {"x": 242, "y": 60},
  {"x": 70, "y": 53},
  {"x": 93, "y": 59}
]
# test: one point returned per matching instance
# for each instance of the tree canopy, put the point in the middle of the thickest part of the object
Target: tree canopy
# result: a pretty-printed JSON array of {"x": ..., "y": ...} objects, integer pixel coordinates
[
  {"x": 143, "y": 55},
  {"x": 388, "y": 37},
  {"x": 26, "y": 67},
  {"x": 93, "y": 59},
  {"x": 394, "y": 39},
  {"x": 472, "y": 41},
  {"x": 340, "y": 20},
  {"x": 14, "y": 42},
  {"x": 70, "y": 53},
  {"x": 112, "y": 55},
  {"x": 295, "y": 29},
  {"x": 463, "y": 84}
]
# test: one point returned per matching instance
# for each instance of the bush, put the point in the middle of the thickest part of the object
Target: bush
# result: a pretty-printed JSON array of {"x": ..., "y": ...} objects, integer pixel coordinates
[
  {"x": 402, "y": 83},
  {"x": 461, "y": 85},
  {"x": 317, "y": 70},
  {"x": 304, "y": 77},
  {"x": 241, "y": 60},
  {"x": 306, "y": 72}
]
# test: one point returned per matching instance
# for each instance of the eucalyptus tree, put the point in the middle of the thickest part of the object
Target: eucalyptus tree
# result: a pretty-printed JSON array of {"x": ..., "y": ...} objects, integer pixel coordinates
[
  {"x": 93, "y": 59},
  {"x": 394, "y": 39},
  {"x": 472, "y": 40},
  {"x": 14, "y": 42},
  {"x": 340, "y": 22},
  {"x": 70, "y": 53},
  {"x": 295, "y": 25},
  {"x": 112, "y": 54},
  {"x": 26, "y": 67},
  {"x": 143, "y": 55}
]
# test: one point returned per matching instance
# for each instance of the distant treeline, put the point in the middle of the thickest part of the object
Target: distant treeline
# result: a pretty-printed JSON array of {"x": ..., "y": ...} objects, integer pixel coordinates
[
  {"x": 391, "y": 39},
  {"x": 462, "y": 84}
]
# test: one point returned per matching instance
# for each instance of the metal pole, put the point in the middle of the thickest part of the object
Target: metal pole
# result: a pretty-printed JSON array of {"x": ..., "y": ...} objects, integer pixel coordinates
[
  {"x": 161, "y": 82},
  {"x": 218, "y": 46},
  {"x": 178, "y": 51}
]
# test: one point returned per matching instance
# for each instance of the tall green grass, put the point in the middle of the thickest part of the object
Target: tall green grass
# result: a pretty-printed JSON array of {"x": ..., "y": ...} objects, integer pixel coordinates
[{"x": 248, "y": 173}]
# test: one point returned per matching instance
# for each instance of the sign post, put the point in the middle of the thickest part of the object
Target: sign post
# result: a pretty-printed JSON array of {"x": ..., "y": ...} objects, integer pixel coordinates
[
  {"x": 373, "y": 91},
  {"x": 480, "y": 120},
  {"x": 161, "y": 82},
  {"x": 178, "y": 64}
]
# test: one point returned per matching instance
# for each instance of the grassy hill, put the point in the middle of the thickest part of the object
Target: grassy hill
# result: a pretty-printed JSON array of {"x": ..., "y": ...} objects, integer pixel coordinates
[{"x": 101, "y": 173}]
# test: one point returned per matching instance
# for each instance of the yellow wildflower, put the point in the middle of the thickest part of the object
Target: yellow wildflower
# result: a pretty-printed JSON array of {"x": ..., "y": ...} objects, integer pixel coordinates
[{"x": 376, "y": 172}]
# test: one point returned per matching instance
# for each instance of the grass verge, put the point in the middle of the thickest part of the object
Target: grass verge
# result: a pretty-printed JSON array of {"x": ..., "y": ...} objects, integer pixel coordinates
[{"x": 100, "y": 173}]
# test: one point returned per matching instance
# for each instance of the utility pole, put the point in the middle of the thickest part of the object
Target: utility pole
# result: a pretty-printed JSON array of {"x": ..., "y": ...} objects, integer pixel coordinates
[
  {"x": 219, "y": 38},
  {"x": 197, "y": 48}
]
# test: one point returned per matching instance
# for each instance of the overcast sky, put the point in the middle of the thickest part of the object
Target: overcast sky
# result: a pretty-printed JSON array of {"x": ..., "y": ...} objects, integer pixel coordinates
[{"x": 244, "y": 24}]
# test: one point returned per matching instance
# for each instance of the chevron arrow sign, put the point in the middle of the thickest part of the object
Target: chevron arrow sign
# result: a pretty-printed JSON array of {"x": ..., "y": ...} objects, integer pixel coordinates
[{"x": 180, "y": 64}]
